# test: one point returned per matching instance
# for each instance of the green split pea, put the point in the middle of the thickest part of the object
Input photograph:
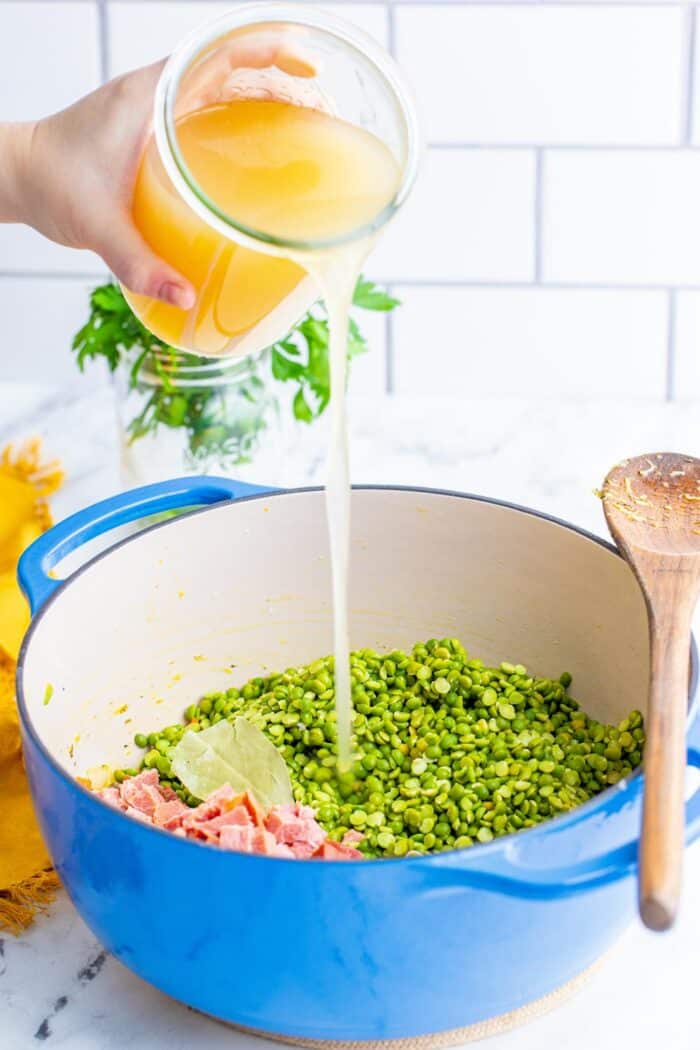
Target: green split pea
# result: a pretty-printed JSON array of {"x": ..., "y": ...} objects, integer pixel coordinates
[{"x": 449, "y": 752}]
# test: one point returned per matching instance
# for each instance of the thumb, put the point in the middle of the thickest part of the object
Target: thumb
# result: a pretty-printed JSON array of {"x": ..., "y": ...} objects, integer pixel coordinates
[{"x": 143, "y": 272}]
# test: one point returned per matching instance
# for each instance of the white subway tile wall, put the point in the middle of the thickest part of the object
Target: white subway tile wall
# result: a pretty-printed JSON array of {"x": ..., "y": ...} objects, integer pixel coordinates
[
  {"x": 553, "y": 243},
  {"x": 537, "y": 342},
  {"x": 41, "y": 316},
  {"x": 625, "y": 217},
  {"x": 143, "y": 32},
  {"x": 369, "y": 371},
  {"x": 49, "y": 56},
  {"x": 686, "y": 377},
  {"x": 471, "y": 218},
  {"x": 565, "y": 74}
]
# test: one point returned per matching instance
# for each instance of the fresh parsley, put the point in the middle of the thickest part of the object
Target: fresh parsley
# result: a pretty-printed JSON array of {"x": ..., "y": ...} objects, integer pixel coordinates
[{"x": 216, "y": 430}]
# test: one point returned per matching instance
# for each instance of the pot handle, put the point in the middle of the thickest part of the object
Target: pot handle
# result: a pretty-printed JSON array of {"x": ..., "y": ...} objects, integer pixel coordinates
[
  {"x": 35, "y": 565},
  {"x": 505, "y": 875}
]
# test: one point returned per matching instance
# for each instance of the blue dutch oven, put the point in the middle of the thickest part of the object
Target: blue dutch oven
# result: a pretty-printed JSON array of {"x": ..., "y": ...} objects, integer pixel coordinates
[{"x": 309, "y": 950}]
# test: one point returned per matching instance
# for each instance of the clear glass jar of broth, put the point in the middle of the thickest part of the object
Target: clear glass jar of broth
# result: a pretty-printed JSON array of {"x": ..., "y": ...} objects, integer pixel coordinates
[{"x": 279, "y": 133}]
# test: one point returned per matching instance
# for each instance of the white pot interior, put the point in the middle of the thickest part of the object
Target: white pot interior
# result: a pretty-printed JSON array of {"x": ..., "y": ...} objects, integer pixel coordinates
[{"x": 209, "y": 600}]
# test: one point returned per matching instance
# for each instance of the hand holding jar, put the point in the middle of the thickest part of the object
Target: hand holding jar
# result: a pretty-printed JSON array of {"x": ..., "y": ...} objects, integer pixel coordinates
[{"x": 71, "y": 175}]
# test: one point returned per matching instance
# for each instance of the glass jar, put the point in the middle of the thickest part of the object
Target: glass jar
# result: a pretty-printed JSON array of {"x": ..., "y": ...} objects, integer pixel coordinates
[
  {"x": 251, "y": 286},
  {"x": 180, "y": 414}
]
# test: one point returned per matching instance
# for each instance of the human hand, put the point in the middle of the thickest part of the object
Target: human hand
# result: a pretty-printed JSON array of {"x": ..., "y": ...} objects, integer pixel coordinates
[
  {"x": 74, "y": 172},
  {"x": 78, "y": 169}
]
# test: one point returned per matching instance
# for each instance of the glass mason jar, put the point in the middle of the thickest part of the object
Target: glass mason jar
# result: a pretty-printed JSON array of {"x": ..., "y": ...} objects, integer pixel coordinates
[
  {"x": 180, "y": 414},
  {"x": 250, "y": 284}
]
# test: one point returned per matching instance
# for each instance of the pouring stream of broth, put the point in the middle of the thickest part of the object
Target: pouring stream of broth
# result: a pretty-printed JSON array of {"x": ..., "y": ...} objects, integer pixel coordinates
[{"x": 296, "y": 174}]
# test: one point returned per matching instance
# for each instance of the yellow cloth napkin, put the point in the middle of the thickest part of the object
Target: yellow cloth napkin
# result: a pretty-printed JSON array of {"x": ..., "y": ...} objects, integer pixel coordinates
[{"x": 27, "y": 882}]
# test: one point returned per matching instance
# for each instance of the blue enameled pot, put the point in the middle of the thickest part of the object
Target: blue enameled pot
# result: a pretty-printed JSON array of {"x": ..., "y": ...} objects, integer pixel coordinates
[{"x": 365, "y": 950}]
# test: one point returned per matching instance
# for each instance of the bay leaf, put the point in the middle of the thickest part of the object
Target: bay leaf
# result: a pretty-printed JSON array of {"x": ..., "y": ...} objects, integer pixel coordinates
[{"x": 239, "y": 755}]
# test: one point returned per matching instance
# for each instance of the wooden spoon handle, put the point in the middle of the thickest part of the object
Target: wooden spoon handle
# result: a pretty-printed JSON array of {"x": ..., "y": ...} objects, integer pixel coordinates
[{"x": 661, "y": 847}]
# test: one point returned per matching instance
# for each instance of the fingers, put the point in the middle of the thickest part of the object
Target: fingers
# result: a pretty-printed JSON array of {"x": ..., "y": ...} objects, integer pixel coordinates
[
  {"x": 250, "y": 49},
  {"x": 126, "y": 253},
  {"x": 255, "y": 49},
  {"x": 277, "y": 51},
  {"x": 141, "y": 271}
]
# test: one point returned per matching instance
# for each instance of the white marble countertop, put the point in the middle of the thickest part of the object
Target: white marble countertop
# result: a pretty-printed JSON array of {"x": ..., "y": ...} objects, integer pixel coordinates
[{"x": 57, "y": 986}]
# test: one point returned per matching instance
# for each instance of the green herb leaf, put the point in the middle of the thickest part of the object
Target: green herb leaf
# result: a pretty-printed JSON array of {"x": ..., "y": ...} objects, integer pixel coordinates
[
  {"x": 284, "y": 369},
  {"x": 172, "y": 410},
  {"x": 302, "y": 412},
  {"x": 136, "y": 368},
  {"x": 289, "y": 348},
  {"x": 216, "y": 429},
  {"x": 108, "y": 297},
  {"x": 357, "y": 344},
  {"x": 239, "y": 755},
  {"x": 369, "y": 296}
]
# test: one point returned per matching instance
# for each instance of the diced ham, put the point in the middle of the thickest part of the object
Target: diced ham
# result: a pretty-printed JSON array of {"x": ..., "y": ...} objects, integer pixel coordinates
[
  {"x": 142, "y": 792},
  {"x": 220, "y": 800},
  {"x": 238, "y": 816},
  {"x": 230, "y": 821},
  {"x": 199, "y": 831},
  {"x": 350, "y": 838},
  {"x": 223, "y": 798},
  {"x": 295, "y": 826},
  {"x": 237, "y": 837},
  {"x": 330, "y": 850},
  {"x": 256, "y": 814},
  {"x": 131, "y": 811},
  {"x": 222, "y": 808},
  {"x": 112, "y": 796},
  {"x": 251, "y": 839},
  {"x": 279, "y": 816},
  {"x": 169, "y": 814}
]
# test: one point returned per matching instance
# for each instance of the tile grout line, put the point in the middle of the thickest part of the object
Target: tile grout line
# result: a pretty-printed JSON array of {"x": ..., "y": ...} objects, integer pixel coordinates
[
  {"x": 671, "y": 346},
  {"x": 53, "y": 275},
  {"x": 546, "y": 286},
  {"x": 391, "y": 28},
  {"x": 664, "y": 5},
  {"x": 689, "y": 75},
  {"x": 390, "y": 380},
  {"x": 600, "y": 4},
  {"x": 564, "y": 147},
  {"x": 408, "y": 282},
  {"x": 389, "y": 362},
  {"x": 103, "y": 39},
  {"x": 538, "y": 215}
]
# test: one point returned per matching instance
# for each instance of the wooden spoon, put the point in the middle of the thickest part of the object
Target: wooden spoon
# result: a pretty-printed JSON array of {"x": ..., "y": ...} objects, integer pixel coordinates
[{"x": 652, "y": 507}]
